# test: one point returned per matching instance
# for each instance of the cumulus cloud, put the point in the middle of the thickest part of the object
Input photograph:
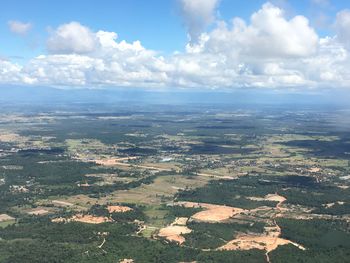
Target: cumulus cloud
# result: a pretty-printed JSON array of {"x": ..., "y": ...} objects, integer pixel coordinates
[
  {"x": 19, "y": 27},
  {"x": 267, "y": 51},
  {"x": 72, "y": 38},
  {"x": 11, "y": 73},
  {"x": 197, "y": 15},
  {"x": 110, "y": 63},
  {"x": 269, "y": 35}
]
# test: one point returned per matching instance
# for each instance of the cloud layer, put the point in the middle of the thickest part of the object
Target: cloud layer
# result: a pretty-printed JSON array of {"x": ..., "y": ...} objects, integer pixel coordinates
[{"x": 268, "y": 51}]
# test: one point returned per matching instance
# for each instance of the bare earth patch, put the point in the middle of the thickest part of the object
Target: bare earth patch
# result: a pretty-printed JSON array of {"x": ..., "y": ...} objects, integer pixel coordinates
[
  {"x": 267, "y": 243},
  {"x": 314, "y": 170},
  {"x": 275, "y": 198},
  {"x": 109, "y": 179},
  {"x": 5, "y": 217},
  {"x": 118, "y": 209},
  {"x": 10, "y": 137},
  {"x": 59, "y": 220},
  {"x": 212, "y": 213},
  {"x": 113, "y": 161},
  {"x": 174, "y": 233},
  {"x": 38, "y": 212},
  {"x": 62, "y": 203},
  {"x": 329, "y": 205},
  {"x": 180, "y": 221},
  {"x": 175, "y": 230},
  {"x": 89, "y": 219},
  {"x": 269, "y": 197}
]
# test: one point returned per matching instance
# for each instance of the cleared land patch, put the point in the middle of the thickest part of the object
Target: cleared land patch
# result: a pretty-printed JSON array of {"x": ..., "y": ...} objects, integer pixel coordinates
[
  {"x": 212, "y": 213},
  {"x": 38, "y": 212},
  {"x": 267, "y": 243},
  {"x": 5, "y": 217},
  {"x": 113, "y": 161},
  {"x": 62, "y": 203},
  {"x": 175, "y": 231},
  {"x": 118, "y": 209},
  {"x": 89, "y": 219}
]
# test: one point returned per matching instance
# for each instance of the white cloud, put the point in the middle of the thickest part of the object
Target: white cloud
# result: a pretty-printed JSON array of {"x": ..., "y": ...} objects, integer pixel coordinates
[
  {"x": 197, "y": 15},
  {"x": 269, "y": 35},
  {"x": 110, "y": 63},
  {"x": 72, "y": 38},
  {"x": 342, "y": 25},
  {"x": 11, "y": 73},
  {"x": 268, "y": 51},
  {"x": 19, "y": 27}
]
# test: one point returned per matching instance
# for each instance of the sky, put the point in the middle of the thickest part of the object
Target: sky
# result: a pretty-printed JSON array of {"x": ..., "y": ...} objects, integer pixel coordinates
[{"x": 281, "y": 45}]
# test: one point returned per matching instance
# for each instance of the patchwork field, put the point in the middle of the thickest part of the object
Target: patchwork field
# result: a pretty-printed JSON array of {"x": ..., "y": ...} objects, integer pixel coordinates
[{"x": 175, "y": 185}]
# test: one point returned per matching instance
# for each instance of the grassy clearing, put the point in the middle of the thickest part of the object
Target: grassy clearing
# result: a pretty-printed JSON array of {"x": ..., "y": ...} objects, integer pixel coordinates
[
  {"x": 156, "y": 216},
  {"x": 7, "y": 223}
]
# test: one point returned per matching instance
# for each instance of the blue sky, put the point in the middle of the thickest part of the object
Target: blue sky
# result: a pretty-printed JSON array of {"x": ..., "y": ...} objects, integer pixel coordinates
[
  {"x": 152, "y": 22},
  {"x": 156, "y": 23},
  {"x": 163, "y": 26}
]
